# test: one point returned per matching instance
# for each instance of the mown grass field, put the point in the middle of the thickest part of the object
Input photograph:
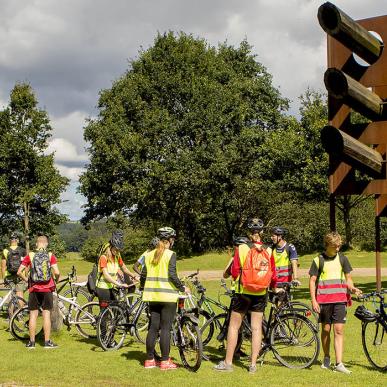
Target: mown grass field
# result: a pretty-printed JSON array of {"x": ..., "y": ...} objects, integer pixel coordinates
[{"x": 80, "y": 362}]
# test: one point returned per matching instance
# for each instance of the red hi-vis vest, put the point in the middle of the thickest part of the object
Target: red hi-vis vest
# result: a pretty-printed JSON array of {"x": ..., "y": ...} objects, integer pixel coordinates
[{"x": 332, "y": 287}]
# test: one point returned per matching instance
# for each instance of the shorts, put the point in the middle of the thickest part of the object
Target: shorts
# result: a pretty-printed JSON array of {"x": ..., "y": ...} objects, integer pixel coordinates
[
  {"x": 42, "y": 300},
  {"x": 333, "y": 313},
  {"x": 243, "y": 303}
]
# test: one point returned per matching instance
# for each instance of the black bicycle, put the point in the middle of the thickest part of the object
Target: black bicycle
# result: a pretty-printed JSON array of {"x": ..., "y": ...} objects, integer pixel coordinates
[{"x": 374, "y": 330}]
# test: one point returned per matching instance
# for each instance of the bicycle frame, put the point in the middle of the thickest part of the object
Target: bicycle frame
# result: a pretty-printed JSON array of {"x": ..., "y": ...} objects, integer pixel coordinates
[{"x": 67, "y": 318}]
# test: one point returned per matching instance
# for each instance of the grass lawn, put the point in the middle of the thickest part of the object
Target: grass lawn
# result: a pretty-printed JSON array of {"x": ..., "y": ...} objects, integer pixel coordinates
[{"x": 81, "y": 362}]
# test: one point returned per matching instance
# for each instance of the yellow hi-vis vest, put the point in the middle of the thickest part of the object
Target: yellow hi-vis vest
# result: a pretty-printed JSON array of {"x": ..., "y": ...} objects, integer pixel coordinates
[
  {"x": 112, "y": 268},
  {"x": 283, "y": 265},
  {"x": 157, "y": 286},
  {"x": 243, "y": 250}
]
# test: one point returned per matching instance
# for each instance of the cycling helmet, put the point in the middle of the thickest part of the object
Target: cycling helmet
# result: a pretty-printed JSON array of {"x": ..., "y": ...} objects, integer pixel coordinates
[
  {"x": 255, "y": 224},
  {"x": 166, "y": 233},
  {"x": 363, "y": 314},
  {"x": 153, "y": 243},
  {"x": 240, "y": 241},
  {"x": 14, "y": 236},
  {"x": 117, "y": 240},
  {"x": 278, "y": 230}
]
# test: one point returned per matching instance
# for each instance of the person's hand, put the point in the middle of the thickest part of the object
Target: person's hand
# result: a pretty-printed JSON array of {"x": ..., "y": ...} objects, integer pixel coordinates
[
  {"x": 123, "y": 285},
  {"x": 187, "y": 290},
  {"x": 297, "y": 282},
  {"x": 357, "y": 291},
  {"x": 315, "y": 306},
  {"x": 278, "y": 290}
]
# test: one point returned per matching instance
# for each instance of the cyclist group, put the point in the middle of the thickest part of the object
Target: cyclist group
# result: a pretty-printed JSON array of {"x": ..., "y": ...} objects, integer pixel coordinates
[{"x": 330, "y": 283}]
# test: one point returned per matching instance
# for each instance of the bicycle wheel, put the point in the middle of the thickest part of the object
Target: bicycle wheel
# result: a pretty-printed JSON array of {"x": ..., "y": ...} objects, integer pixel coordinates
[
  {"x": 111, "y": 328},
  {"x": 141, "y": 322},
  {"x": 190, "y": 344},
  {"x": 374, "y": 340},
  {"x": 86, "y": 320},
  {"x": 305, "y": 310},
  {"x": 19, "y": 322},
  {"x": 83, "y": 297},
  {"x": 15, "y": 304},
  {"x": 294, "y": 341},
  {"x": 214, "y": 325}
]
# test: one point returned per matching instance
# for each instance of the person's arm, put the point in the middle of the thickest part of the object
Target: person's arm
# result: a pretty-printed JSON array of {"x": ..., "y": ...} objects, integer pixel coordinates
[
  {"x": 21, "y": 272},
  {"x": 351, "y": 286},
  {"x": 227, "y": 269},
  {"x": 295, "y": 270},
  {"x": 312, "y": 291},
  {"x": 172, "y": 275},
  {"x": 137, "y": 267},
  {"x": 128, "y": 272},
  {"x": 55, "y": 271}
]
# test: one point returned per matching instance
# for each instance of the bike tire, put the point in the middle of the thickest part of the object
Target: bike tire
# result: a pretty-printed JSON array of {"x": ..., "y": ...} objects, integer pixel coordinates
[
  {"x": 141, "y": 324},
  {"x": 14, "y": 305},
  {"x": 111, "y": 328},
  {"x": 294, "y": 341},
  {"x": 190, "y": 344},
  {"x": 83, "y": 297},
  {"x": 306, "y": 310},
  {"x": 86, "y": 320},
  {"x": 214, "y": 325},
  {"x": 374, "y": 341},
  {"x": 203, "y": 317},
  {"x": 19, "y": 324}
]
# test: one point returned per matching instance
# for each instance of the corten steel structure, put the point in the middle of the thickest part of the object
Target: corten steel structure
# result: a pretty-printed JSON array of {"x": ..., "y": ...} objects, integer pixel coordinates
[{"x": 362, "y": 88}]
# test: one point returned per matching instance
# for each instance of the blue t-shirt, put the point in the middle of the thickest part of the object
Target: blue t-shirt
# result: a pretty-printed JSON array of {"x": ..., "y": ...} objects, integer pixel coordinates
[{"x": 291, "y": 250}]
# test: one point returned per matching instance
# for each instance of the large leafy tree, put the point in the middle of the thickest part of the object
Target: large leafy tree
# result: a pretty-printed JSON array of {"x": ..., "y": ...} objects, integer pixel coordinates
[
  {"x": 30, "y": 185},
  {"x": 177, "y": 139}
]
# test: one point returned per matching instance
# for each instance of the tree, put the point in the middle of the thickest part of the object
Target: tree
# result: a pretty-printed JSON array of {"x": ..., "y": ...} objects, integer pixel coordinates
[
  {"x": 30, "y": 185},
  {"x": 177, "y": 140}
]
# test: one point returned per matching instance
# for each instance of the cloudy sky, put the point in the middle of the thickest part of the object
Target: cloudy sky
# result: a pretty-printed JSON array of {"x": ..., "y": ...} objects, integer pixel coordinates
[{"x": 68, "y": 50}]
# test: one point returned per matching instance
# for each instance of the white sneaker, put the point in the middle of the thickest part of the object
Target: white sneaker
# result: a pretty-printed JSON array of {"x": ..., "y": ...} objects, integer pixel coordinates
[
  {"x": 341, "y": 368},
  {"x": 326, "y": 364}
]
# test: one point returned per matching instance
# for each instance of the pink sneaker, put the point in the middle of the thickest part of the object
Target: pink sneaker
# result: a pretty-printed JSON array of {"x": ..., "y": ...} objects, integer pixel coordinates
[
  {"x": 167, "y": 365},
  {"x": 150, "y": 363}
]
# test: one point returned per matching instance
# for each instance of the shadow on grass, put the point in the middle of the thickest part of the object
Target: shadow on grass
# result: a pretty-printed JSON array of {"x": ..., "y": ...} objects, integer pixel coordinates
[{"x": 368, "y": 367}]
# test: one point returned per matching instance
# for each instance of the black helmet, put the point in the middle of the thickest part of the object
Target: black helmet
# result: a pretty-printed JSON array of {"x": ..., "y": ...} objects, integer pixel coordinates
[
  {"x": 240, "y": 241},
  {"x": 166, "y": 233},
  {"x": 255, "y": 224},
  {"x": 14, "y": 236},
  {"x": 363, "y": 314},
  {"x": 117, "y": 240},
  {"x": 278, "y": 230},
  {"x": 153, "y": 243}
]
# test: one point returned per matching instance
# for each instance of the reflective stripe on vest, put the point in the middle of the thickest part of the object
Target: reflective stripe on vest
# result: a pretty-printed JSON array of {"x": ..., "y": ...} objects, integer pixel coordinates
[
  {"x": 243, "y": 250},
  {"x": 332, "y": 286},
  {"x": 157, "y": 286},
  {"x": 283, "y": 266},
  {"x": 112, "y": 268}
]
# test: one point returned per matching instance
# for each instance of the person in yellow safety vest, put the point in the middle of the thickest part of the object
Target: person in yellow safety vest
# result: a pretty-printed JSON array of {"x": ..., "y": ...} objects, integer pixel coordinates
[
  {"x": 285, "y": 256},
  {"x": 161, "y": 287},
  {"x": 246, "y": 301},
  {"x": 331, "y": 271},
  {"x": 109, "y": 264}
]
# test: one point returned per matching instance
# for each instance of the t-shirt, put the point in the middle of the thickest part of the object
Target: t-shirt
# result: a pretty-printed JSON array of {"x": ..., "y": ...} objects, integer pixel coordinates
[
  {"x": 44, "y": 287},
  {"x": 346, "y": 266},
  {"x": 103, "y": 262},
  {"x": 290, "y": 248},
  {"x": 141, "y": 260}
]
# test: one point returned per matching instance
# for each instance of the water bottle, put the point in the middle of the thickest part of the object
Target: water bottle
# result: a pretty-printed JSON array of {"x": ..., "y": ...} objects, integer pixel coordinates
[{"x": 62, "y": 308}]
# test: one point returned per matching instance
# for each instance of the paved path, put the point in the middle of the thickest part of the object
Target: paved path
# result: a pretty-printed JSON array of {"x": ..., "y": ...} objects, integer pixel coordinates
[{"x": 217, "y": 274}]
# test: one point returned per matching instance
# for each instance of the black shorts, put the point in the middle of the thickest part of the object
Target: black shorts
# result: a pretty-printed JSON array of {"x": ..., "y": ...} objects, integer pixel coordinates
[
  {"x": 243, "y": 303},
  {"x": 42, "y": 300},
  {"x": 333, "y": 313}
]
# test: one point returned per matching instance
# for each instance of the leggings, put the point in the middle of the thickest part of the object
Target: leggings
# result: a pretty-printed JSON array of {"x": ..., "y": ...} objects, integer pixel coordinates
[{"x": 162, "y": 316}]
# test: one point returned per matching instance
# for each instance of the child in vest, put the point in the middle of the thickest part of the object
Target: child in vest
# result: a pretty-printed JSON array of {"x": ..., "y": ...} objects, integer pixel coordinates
[
  {"x": 330, "y": 281},
  {"x": 41, "y": 265}
]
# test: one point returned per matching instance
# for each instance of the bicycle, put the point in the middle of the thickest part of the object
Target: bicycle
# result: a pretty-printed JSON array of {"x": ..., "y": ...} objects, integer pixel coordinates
[
  {"x": 11, "y": 301},
  {"x": 288, "y": 334},
  {"x": 126, "y": 315},
  {"x": 374, "y": 330},
  {"x": 84, "y": 317}
]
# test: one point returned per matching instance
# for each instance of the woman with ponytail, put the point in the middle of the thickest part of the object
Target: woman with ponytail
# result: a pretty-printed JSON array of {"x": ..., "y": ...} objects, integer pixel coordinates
[{"x": 161, "y": 287}]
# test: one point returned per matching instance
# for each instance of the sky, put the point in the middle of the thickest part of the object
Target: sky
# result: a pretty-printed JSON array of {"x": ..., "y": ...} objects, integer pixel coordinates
[{"x": 70, "y": 50}]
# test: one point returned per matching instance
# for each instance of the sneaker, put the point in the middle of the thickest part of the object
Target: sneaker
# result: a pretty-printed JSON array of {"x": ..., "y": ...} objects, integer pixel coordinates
[
  {"x": 50, "y": 345},
  {"x": 252, "y": 369},
  {"x": 222, "y": 366},
  {"x": 167, "y": 365},
  {"x": 341, "y": 368},
  {"x": 150, "y": 363},
  {"x": 30, "y": 345},
  {"x": 326, "y": 364}
]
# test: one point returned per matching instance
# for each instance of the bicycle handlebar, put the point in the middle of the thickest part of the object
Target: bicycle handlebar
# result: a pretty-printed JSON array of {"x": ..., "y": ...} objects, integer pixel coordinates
[
  {"x": 193, "y": 274},
  {"x": 373, "y": 294}
]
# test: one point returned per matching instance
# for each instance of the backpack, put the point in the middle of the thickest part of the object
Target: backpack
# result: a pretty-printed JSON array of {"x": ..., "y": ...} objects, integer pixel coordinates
[
  {"x": 13, "y": 260},
  {"x": 40, "y": 266},
  {"x": 92, "y": 276},
  {"x": 257, "y": 270}
]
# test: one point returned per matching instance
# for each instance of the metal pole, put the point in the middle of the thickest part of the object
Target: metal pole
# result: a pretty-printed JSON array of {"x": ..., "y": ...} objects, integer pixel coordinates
[{"x": 377, "y": 251}]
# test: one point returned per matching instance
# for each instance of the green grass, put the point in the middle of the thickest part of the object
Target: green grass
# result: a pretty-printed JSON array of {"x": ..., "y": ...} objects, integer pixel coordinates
[
  {"x": 217, "y": 261},
  {"x": 81, "y": 362}
]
